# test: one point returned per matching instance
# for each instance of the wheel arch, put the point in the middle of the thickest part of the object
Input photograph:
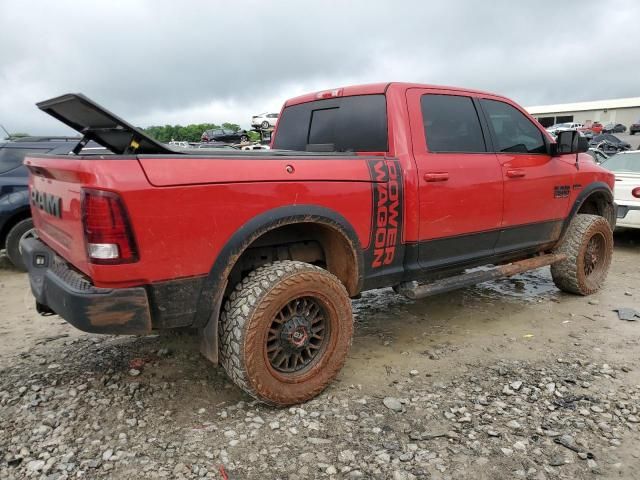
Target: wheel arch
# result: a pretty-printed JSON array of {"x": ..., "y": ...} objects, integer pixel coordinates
[
  {"x": 596, "y": 199},
  {"x": 340, "y": 245}
]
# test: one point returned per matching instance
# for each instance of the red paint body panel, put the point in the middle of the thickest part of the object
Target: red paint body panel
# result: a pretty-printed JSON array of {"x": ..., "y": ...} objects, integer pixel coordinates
[
  {"x": 185, "y": 209},
  {"x": 528, "y": 196},
  {"x": 161, "y": 172},
  {"x": 471, "y": 183},
  {"x": 529, "y": 181},
  {"x": 180, "y": 230}
]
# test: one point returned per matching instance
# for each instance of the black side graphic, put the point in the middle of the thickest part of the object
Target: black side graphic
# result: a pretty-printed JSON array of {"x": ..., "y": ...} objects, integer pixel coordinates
[{"x": 386, "y": 250}]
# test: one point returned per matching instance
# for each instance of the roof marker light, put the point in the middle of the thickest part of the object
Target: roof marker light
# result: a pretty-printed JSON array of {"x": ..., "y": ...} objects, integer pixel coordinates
[{"x": 336, "y": 92}]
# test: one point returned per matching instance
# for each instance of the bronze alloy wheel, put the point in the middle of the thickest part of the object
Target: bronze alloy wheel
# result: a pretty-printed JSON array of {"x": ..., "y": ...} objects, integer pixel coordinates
[
  {"x": 588, "y": 245},
  {"x": 594, "y": 255},
  {"x": 285, "y": 332},
  {"x": 298, "y": 336}
]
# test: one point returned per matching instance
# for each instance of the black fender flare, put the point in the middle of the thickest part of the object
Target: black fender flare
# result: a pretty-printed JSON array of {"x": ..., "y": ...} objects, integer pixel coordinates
[
  {"x": 596, "y": 187},
  {"x": 215, "y": 283}
]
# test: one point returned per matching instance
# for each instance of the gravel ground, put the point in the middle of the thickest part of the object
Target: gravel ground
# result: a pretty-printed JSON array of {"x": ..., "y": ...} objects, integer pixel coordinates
[{"x": 505, "y": 380}]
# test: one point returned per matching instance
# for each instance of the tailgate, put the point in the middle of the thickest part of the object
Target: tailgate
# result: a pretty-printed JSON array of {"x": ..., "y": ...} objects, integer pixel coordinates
[{"x": 56, "y": 184}]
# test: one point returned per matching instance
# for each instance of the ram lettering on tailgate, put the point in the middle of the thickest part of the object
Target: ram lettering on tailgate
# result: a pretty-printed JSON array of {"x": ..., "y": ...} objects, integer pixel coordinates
[{"x": 47, "y": 202}]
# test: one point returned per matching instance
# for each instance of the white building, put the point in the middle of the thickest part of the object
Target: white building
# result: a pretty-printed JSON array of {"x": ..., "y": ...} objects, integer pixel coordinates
[{"x": 618, "y": 110}]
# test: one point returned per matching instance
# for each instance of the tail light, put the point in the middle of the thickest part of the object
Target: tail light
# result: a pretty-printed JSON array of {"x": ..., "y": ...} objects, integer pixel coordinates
[
  {"x": 107, "y": 230},
  {"x": 636, "y": 192}
]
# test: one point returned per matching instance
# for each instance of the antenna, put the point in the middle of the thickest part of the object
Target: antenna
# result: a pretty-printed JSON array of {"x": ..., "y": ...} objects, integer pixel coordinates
[{"x": 5, "y": 131}]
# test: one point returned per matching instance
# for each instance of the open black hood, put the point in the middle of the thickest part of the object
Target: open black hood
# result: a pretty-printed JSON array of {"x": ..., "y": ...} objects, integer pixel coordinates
[{"x": 100, "y": 125}]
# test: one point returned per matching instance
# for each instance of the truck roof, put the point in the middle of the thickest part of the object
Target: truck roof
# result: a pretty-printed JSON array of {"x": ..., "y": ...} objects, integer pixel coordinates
[{"x": 374, "y": 88}]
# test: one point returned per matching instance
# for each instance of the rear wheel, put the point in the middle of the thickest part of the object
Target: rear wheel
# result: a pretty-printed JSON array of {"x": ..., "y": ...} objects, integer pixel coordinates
[
  {"x": 244, "y": 138},
  {"x": 285, "y": 332},
  {"x": 21, "y": 230},
  {"x": 588, "y": 245},
  {"x": 265, "y": 125}
]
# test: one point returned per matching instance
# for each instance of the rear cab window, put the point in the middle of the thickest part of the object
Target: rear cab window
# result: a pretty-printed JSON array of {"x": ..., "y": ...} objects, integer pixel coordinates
[{"x": 344, "y": 124}]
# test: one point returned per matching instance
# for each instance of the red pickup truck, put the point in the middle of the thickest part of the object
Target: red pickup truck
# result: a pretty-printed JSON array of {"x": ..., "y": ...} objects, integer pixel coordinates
[{"x": 403, "y": 185}]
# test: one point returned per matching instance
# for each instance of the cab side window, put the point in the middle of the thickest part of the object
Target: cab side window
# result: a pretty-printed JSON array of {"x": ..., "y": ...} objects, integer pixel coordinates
[
  {"x": 451, "y": 124},
  {"x": 512, "y": 130}
]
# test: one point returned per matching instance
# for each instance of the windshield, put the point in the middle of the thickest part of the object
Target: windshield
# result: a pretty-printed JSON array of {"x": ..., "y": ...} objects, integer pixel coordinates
[{"x": 624, "y": 162}]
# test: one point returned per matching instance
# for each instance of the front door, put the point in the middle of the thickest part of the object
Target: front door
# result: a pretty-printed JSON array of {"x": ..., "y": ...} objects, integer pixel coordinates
[
  {"x": 537, "y": 186},
  {"x": 459, "y": 180}
]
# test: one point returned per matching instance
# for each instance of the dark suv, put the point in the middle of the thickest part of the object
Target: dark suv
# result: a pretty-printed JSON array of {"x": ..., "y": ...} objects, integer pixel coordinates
[
  {"x": 15, "y": 214},
  {"x": 225, "y": 135}
]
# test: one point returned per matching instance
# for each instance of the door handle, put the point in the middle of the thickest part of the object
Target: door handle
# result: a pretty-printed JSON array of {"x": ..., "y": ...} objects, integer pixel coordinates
[
  {"x": 436, "y": 177},
  {"x": 516, "y": 173}
]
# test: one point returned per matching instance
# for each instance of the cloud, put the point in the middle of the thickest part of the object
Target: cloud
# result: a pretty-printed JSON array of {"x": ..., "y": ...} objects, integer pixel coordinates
[{"x": 159, "y": 61}]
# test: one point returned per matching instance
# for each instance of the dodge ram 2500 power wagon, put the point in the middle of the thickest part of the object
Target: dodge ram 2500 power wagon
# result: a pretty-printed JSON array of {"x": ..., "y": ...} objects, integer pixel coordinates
[{"x": 403, "y": 185}]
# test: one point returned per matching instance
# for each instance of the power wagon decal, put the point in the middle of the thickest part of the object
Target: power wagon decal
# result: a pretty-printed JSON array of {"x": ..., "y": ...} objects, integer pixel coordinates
[{"x": 385, "y": 246}]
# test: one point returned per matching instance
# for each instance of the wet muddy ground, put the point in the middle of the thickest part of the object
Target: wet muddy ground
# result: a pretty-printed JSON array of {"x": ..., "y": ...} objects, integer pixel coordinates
[{"x": 492, "y": 381}]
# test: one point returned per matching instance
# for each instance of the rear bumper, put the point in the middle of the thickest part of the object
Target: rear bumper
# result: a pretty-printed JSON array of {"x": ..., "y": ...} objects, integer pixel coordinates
[
  {"x": 628, "y": 216},
  {"x": 96, "y": 310}
]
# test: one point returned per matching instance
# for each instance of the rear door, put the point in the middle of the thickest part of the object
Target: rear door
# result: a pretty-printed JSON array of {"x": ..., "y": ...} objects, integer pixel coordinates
[
  {"x": 459, "y": 179},
  {"x": 537, "y": 187}
]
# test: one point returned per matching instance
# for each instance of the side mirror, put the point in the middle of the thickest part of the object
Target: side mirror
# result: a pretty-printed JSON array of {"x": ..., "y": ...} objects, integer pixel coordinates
[{"x": 570, "y": 141}]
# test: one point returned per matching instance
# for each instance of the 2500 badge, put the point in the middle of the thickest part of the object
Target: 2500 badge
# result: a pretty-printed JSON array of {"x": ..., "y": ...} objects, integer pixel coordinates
[{"x": 47, "y": 202}]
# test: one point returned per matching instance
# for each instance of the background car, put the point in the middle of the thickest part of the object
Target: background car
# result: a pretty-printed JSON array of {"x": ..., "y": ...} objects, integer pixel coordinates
[
  {"x": 594, "y": 128},
  {"x": 598, "y": 155},
  {"x": 626, "y": 167},
  {"x": 614, "y": 128},
  {"x": 609, "y": 143},
  {"x": 15, "y": 212},
  {"x": 226, "y": 136},
  {"x": 216, "y": 146},
  {"x": 559, "y": 127},
  {"x": 264, "y": 120},
  {"x": 634, "y": 128},
  {"x": 588, "y": 134}
]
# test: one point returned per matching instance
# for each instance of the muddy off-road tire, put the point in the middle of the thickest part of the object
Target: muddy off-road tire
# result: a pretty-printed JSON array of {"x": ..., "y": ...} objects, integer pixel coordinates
[
  {"x": 20, "y": 230},
  {"x": 285, "y": 332},
  {"x": 588, "y": 245}
]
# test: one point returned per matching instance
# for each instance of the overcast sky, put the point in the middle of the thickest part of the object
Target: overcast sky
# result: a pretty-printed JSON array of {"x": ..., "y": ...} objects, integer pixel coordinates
[{"x": 162, "y": 62}]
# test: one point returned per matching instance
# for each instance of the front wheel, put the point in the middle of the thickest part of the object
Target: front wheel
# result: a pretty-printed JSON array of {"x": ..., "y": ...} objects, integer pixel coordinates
[
  {"x": 588, "y": 245},
  {"x": 265, "y": 125},
  {"x": 285, "y": 332},
  {"x": 244, "y": 138}
]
